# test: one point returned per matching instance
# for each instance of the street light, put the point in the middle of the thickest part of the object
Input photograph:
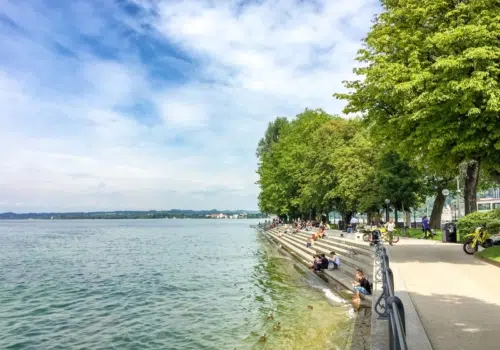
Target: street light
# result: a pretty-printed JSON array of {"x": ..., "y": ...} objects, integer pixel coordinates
[
  {"x": 445, "y": 193},
  {"x": 387, "y": 201}
]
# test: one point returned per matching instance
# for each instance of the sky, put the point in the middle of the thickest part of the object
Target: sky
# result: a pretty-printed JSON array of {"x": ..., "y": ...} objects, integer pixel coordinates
[{"x": 150, "y": 104}]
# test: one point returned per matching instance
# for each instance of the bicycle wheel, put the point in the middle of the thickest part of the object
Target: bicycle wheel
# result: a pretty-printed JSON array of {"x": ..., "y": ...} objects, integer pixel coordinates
[
  {"x": 395, "y": 239},
  {"x": 366, "y": 237}
]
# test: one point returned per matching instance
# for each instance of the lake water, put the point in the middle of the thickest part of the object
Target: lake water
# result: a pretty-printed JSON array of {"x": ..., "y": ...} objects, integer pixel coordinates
[{"x": 158, "y": 284}]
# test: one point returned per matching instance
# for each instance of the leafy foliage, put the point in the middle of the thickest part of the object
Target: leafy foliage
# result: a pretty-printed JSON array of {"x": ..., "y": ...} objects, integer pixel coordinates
[
  {"x": 322, "y": 162},
  {"x": 398, "y": 181},
  {"x": 273, "y": 132},
  {"x": 430, "y": 82},
  {"x": 491, "y": 219},
  {"x": 428, "y": 95}
]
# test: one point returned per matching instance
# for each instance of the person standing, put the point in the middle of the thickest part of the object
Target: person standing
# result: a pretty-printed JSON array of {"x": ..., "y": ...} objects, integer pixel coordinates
[
  {"x": 354, "y": 223},
  {"x": 390, "y": 230}
]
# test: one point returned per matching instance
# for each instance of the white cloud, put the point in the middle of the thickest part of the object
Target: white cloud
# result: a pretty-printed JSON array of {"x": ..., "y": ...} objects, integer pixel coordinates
[{"x": 76, "y": 135}]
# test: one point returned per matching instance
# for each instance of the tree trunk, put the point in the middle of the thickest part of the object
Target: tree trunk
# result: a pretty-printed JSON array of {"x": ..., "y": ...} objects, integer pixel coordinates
[
  {"x": 314, "y": 213},
  {"x": 347, "y": 219},
  {"x": 408, "y": 218},
  {"x": 437, "y": 209},
  {"x": 470, "y": 188},
  {"x": 396, "y": 215}
]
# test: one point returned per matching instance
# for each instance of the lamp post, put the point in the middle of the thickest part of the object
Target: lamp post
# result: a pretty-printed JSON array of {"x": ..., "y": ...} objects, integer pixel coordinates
[
  {"x": 445, "y": 193},
  {"x": 415, "y": 217},
  {"x": 387, "y": 201},
  {"x": 458, "y": 198}
]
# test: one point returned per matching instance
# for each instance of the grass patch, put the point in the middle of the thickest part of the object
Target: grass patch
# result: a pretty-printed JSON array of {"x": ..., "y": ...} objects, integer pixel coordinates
[
  {"x": 492, "y": 253},
  {"x": 417, "y": 233}
]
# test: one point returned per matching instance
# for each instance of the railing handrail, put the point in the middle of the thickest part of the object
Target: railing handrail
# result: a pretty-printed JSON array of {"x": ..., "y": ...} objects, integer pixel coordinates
[{"x": 391, "y": 307}]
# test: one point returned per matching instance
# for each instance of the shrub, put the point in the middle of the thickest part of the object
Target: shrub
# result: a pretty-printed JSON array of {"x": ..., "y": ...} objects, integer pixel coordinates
[
  {"x": 491, "y": 219},
  {"x": 468, "y": 223},
  {"x": 493, "y": 227},
  {"x": 494, "y": 214}
]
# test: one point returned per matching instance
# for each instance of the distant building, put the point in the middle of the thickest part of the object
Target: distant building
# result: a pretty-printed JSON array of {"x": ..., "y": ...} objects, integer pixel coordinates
[
  {"x": 217, "y": 216},
  {"x": 485, "y": 204}
]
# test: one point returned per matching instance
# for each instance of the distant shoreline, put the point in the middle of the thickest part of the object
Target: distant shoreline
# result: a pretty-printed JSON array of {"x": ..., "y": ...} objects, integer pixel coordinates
[
  {"x": 131, "y": 215},
  {"x": 125, "y": 218}
]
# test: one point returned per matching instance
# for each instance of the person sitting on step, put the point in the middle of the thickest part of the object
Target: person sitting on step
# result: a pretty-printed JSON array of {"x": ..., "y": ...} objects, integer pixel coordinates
[
  {"x": 361, "y": 285},
  {"x": 321, "y": 232},
  {"x": 321, "y": 263},
  {"x": 316, "y": 262},
  {"x": 334, "y": 260},
  {"x": 309, "y": 243},
  {"x": 324, "y": 262}
]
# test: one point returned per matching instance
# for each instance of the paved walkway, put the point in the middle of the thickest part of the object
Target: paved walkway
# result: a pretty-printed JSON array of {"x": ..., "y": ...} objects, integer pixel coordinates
[{"x": 456, "y": 296}]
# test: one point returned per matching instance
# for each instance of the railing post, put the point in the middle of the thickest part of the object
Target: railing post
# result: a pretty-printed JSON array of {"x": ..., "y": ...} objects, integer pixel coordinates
[{"x": 391, "y": 279}]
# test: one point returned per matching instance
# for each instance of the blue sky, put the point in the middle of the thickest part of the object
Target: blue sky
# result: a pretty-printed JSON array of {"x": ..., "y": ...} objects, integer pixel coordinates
[{"x": 143, "y": 104}]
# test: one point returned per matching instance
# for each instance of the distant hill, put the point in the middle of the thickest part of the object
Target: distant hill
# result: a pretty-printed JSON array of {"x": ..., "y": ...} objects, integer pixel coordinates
[{"x": 130, "y": 214}]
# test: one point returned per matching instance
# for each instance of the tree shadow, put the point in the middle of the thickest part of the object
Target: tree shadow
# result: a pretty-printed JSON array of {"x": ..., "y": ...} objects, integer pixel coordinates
[{"x": 457, "y": 321}]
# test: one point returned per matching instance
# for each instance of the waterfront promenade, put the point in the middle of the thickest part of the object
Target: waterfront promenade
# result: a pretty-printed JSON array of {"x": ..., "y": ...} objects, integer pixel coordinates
[
  {"x": 456, "y": 296},
  {"x": 451, "y": 300}
]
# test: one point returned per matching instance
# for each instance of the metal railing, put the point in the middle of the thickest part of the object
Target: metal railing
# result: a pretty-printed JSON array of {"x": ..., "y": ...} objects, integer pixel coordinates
[{"x": 388, "y": 306}]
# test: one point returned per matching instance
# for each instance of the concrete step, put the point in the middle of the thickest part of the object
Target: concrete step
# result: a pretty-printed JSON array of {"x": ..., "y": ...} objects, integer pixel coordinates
[
  {"x": 340, "y": 277},
  {"x": 345, "y": 259},
  {"x": 343, "y": 249},
  {"x": 363, "y": 247},
  {"x": 347, "y": 269},
  {"x": 335, "y": 236}
]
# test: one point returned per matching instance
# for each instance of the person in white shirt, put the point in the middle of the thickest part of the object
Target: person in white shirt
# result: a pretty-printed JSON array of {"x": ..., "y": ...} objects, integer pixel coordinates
[
  {"x": 335, "y": 260},
  {"x": 354, "y": 223},
  {"x": 390, "y": 230}
]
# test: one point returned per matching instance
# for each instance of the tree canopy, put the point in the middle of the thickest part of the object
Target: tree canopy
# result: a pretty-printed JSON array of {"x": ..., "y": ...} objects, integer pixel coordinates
[
  {"x": 322, "y": 162},
  {"x": 430, "y": 75},
  {"x": 427, "y": 101}
]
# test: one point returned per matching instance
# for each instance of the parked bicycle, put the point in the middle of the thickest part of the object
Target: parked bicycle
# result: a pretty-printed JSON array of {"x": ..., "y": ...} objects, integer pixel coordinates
[{"x": 368, "y": 237}]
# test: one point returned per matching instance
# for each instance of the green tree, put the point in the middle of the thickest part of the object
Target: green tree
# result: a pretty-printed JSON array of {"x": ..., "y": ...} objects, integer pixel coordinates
[
  {"x": 355, "y": 166},
  {"x": 398, "y": 181},
  {"x": 321, "y": 176},
  {"x": 283, "y": 169},
  {"x": 271, "y": 136},
  {"x": 431, "y": 76}
]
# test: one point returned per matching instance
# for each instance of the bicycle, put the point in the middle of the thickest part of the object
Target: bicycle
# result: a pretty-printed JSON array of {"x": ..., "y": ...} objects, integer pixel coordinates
[{"x": 383, "y": 234}]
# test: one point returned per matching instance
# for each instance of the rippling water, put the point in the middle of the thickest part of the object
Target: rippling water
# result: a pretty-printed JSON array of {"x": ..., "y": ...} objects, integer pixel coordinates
[{"x": 157, "y": 284}]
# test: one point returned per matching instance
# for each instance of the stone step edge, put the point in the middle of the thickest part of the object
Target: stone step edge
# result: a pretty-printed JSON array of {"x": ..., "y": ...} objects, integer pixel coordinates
[
  {"x": 367, "y": 259},
  {"x": 347, "y": 269},
  {"x": 359, "y": 245},
  {"x": 355, "y": 263}
]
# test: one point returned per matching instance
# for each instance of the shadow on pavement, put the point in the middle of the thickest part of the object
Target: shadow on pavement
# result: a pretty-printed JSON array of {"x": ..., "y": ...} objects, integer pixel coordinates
[{"x": 458, "y": 322}]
